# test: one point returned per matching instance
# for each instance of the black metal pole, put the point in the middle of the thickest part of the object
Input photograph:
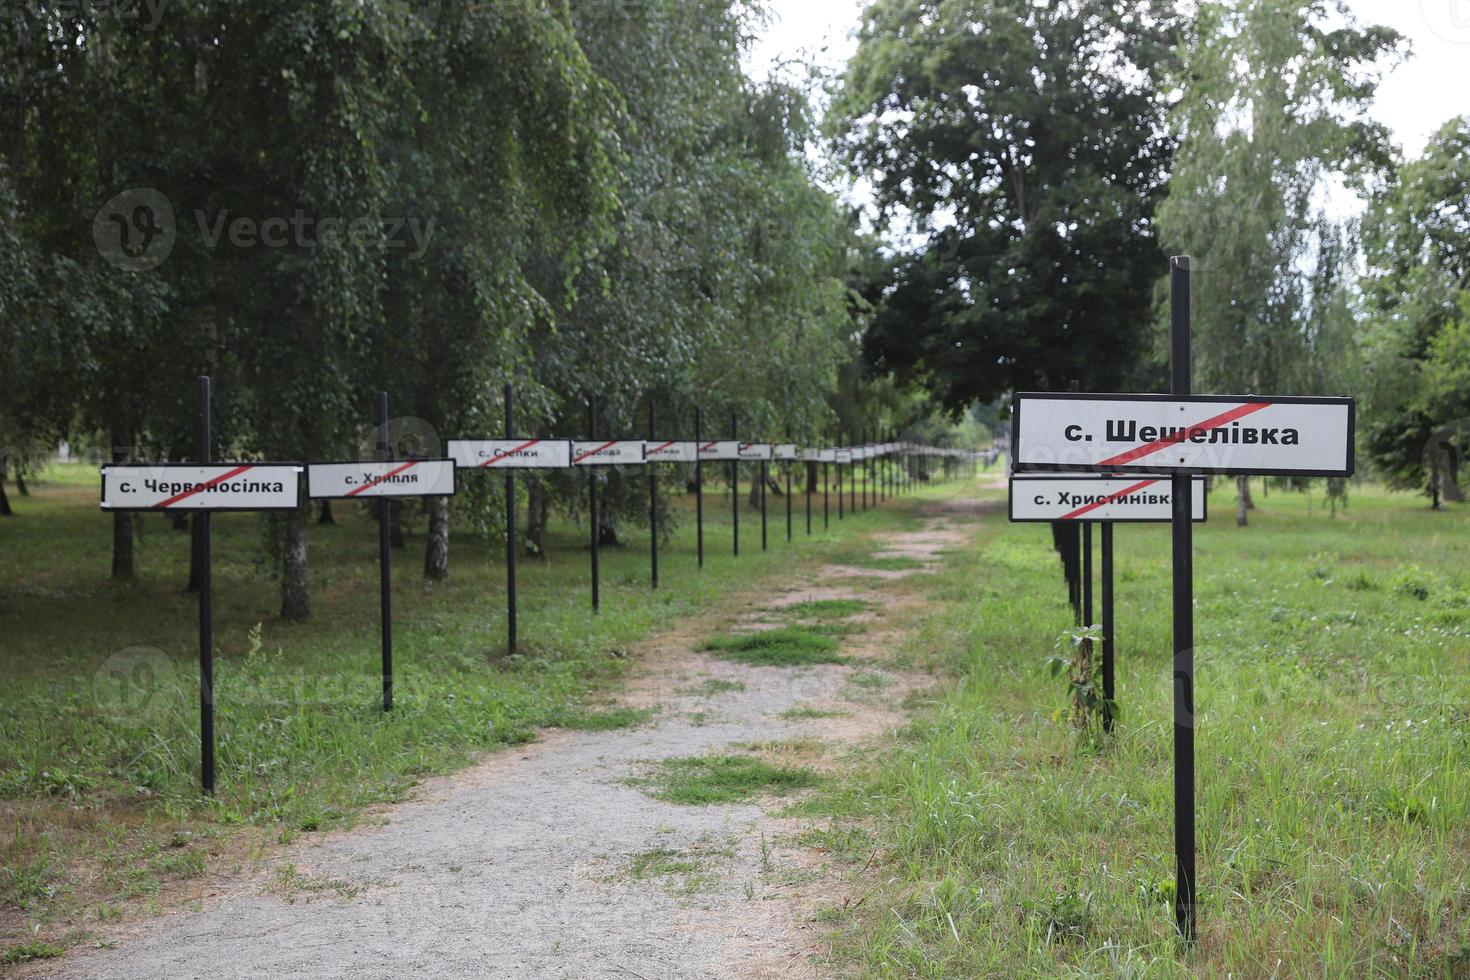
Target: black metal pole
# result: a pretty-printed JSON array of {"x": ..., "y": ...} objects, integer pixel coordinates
[
  {"x": 852, "y": 468},
  {"x": 206, "y": 610},
  {"x": 765, "y": 472},
  {"x": 699, "y": 485},
  {"x": 1109, "y": 692},
  {"x": 809, "y": 477},
  {"x": 841, "y": 498},
  {"x": 592, "y": 498},
  {"x": 1184, "y": 832},
  {"x": 1086, "y": 573},
  {"x": 735, "y": 485},
  {"x": 510, "y": 532},
  {"x": 867, "y": 472},
  {"x": 826, "y": 498},
  {"x": 385, "y": 561},
  {"x": 653, "y": 497},
  {"x": 789, "y": 465}
]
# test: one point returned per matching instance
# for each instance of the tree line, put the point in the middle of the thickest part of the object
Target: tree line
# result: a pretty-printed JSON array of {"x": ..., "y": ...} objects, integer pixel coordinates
[{"x": 311, "y": 201}]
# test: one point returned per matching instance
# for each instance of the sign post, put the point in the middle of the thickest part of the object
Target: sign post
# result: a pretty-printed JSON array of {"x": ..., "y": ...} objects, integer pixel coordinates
[
  {"x": 592, "y": 498},
  {"x": 1180, "y": 434},
  {"x": 699, "y": 484},
  {"x": 510, "y": 533},
  {"x": 383, "y": 479},
  {"x": 202, "y": 487},
  {"x": 735, "y": 485},
  {"x": 510, "y": 454},
  {"x": 1110, "y": 696},
  {"x": 653, "y": 497},
  {"x": 1184, "y": 716},
  {"x": 788, "y": 454}
]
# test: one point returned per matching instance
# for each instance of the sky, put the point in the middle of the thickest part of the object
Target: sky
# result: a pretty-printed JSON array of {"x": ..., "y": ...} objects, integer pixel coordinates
[{"x": 1431, "y": 86}]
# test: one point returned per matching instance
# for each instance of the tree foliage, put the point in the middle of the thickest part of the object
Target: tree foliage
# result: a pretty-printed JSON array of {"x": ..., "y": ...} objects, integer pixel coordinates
[{"x": 1024, "y": 143}]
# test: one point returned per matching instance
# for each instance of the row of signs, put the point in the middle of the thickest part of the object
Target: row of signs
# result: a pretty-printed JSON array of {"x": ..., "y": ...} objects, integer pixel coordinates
[{"x": 276, "y": 486}]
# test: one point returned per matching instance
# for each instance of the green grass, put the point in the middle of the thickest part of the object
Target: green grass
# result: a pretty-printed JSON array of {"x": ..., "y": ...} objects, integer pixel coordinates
[
  {"x": 825, "y": 608},
  {"x": 804, "y": 713},
  {"x": 788, "y": 646},
  {"x": 712, "y": 687},
  {"x": 1332, "y": 684},
  {"x": 888, "y": 563},
  {"x": 99, "y": 743},
  {"x": 24, "y": 952},
  {"x": 700, "y": 780}
]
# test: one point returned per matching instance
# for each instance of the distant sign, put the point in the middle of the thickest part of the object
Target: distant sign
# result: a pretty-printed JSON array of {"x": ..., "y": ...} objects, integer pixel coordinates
[
  {"x": 842, "y": 456},
  {"x": 1100, "y": 498},
  {"x": 720, "y": 451},
  {"x": 828, "y": 455},
  {"x": 612, "y": 453},
  {"x": 508, "y": 454},
  {"x": 755, "y": 451},
  {"x": 401, "y": 478},
  {"x": 190, "y": 486},
  {"x": 672, "y": 452},
  {"x": 811, "y": 455},
  {"x": 786, "y": 450},
  {"x": 1201, "y": 434}
]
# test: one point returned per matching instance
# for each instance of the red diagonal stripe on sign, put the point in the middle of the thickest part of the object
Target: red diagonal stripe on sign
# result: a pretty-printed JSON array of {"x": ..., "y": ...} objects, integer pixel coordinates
[
  {"x": 594, "y": 452},
  {"x": 1108, "y": 499},
  {"x": 508, "y": 453},
  {"x": 708, "y": 445},
  {"x": 379, "y": 479},
  {"x": 204, "y": 486},
  {"x": 1148, "y": 449},
  {"x": 659, "y": 449}
]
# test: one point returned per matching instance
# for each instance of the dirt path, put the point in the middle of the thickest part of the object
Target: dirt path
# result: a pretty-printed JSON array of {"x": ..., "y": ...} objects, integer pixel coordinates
[{"x": 550, "y": 862}]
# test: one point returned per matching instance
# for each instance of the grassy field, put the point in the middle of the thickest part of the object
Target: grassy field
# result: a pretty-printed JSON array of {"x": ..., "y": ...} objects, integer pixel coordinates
[
  {"x": 99, "y": 748},
  {"x": 1333, "y": 690}
]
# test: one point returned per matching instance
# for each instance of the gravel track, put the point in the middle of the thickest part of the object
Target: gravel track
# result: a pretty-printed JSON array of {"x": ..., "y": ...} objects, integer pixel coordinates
[{"x": 524, "y": 865}]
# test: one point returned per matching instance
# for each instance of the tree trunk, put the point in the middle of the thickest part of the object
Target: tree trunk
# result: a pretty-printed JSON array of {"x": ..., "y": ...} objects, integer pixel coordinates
[
  {"x": 324, "y": 515},
  {"x": 395, "y": 525},
  {"x": 122, "y": 521},
  {"x": 436, "y": 549},
  {"x": 1243, "y": 500},
  {"x": 537, "y": 508},
  {"x": 1449, "y": 487},
  {"x": 295, "y": 589},
  {"x": 179, "y": 520},
  {"x": 5, "y": 510},
  {"x": 20, "y": 478},
  {"x": 813, "y": 485}
]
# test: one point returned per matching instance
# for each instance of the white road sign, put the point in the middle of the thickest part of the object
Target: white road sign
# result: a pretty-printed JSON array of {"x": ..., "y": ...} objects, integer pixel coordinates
[
  {"x": 400, "y": 478},
  {"x": 1100, "y": 498},
  {"x": 672, "y": 452},
  {"x": 829, "y": 455},
  {"x": 811, "y": 455},
  {"x": 842, "y": 456},
  {"x": 719, "y": 451},
  {"x": 511, "y": 454},
  {"x": 1200, "y": 434},
  {"x": 187, "y": 486},
  {"x": 785, "y": 450},
  {"x": 612, "y": 452},
  {"x": 755, "y": 451}
]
